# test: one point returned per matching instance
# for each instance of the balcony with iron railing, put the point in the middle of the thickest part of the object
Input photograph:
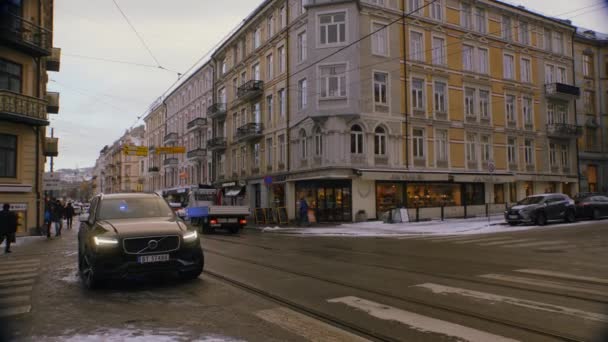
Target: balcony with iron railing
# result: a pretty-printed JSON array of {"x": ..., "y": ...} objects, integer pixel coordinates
[
  {"x": 170, "y": 138},
  {"x": 52, "y": 102},
  {"x": 250, "y": 131},
  {"x": 153, "y": 169},
  {"x": 53, "y": 62},
  {"x": 198, "y": 123},
  {"x": 25, "y": 35},
  {"x": 22, "y": 108},
  {"x": 217, "y": 143},
  {"x": 217, "y": 110},
  {"x": 170, "y": 162},
  {"x": 197, "y": 154},
  {"x": 564, "y": 131},
  {"x": 562, "y": 91},
  {"x": 250, "y": 90}
]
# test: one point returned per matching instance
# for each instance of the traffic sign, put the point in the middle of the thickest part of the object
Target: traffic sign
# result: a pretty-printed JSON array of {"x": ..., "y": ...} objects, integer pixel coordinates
[
  {"x": 170, "y": 149},
  {"x": 491, "y": 166}
]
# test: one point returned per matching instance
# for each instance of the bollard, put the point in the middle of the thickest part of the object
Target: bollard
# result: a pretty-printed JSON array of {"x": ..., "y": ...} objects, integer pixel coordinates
[
  {"x": 442, "y": 206},
  {"x": 465, "y": 210}
]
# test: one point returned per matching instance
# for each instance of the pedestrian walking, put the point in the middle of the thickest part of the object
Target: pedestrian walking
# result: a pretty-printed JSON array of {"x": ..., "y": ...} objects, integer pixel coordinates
[
  {"x": 69, "y": 214},
  {"x": 57, "y": 216},
  {"x": 8, "y": 226},
  {"x": 304, "y": 211}
]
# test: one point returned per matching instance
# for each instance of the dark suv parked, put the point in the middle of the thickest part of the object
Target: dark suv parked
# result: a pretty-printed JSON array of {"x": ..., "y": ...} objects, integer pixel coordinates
[
  {"x": 540, "y": 209},
  {"x": 135, "y": 234}
]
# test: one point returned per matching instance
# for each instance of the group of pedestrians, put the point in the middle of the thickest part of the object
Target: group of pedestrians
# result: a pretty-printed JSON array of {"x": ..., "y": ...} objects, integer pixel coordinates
[{"x": 55, "y": 212}]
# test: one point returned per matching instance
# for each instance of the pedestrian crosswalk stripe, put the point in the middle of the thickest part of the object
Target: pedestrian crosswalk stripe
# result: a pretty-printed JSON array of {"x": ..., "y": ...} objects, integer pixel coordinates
[
  {"x": 482, "y": 240},
  {"x": 530, "y": 304},
  {"x": 16, "y": 283},
  {"x": 15, "y": 290},
  {"x": 16, "y": 310},
  {"x": 17, "y": 276},
  {"x": 13, "y": 299},
  {"x": 535, "y": 244},
  {"x": 419, "y": 322},
  {"x": 498, "y": 243},
  {"x": 563, "y": 275},
  {"x": 17, "y": 270},
  {"x": 542, "y": 283}
]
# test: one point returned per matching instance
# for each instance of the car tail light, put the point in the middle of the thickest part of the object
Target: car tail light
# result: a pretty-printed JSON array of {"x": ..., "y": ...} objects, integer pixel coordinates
[
  {"x": 243, "y": 221},
  {"x": 213, "y": 221}
]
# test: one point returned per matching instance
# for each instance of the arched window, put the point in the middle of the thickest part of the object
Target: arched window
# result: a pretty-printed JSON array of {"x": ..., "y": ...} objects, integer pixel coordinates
[
  {"x": 318, "y": 142},
  {"x": 303, "y": 150},
  {"x": 356, "y": 139},
  {"x": 380, "y": 141}
]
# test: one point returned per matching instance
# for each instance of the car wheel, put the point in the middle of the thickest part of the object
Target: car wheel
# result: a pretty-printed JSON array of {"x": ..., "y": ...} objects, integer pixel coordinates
[
  {"x": 87, "y": 273},
  {"x": 596, "y": 214},
  {"x": 541, "y": 219},
  {"x": 570, "y": 216}
]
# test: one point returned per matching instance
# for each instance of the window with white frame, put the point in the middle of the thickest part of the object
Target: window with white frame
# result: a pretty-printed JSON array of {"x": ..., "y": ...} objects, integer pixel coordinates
[
  {"x": 243, "y": 77},
  {"x": 561, "y": 75},
  {"x": 467, "y": 57},
  {"x": 243, "y": 117},
  {"x": 332, "y": 28},
  {"x": 550, "y": 113},
  {"x": 512, "y": 150},
  {"x": 270, "y": 26},
  {"x": 302, "y": 47},
  {"x": 282, "y": 16},
  {"x": 418, "y": 144},
  {"x": 282, "y": 149},
  {"x": 377, "y": 2},
  {"x": 482, "y": 61},
  {"x": 439, "y": 96},
  {"x": 558, "y": 42},
  {"x": 269, "y": 67},
  {"x": 243, "y": 158},
  {"x": 484, "y": 104},
  {"x": 416, "y": 46},
  {"x": 548, "y": 40},
  {"x": 480, "y": 20},
  {"x": 333, "y": 81},
  {"x": 510, "y": 107},
  {"x": 269, "y": 108},
  {"x": 565, "y": 156},
  {"x": 257, "y": 38},
  {"x": 524, "y": 33},
  {"x": 380, "y": 39},
  {"x": 415, "y": 7},
  {"x": 380, "y": 141},
  {"x": 255, "y": 71},
  {"x": 587, "y": 65},
  {"x": 222, "y": 95},
  {"x": 486, "y": 148},
  {"x": 526, "y": 106},
  {"x": 356, "y": 139},
  {"x": 525, "y": 70},
  {"x": 318, "y": 137},
  {"x": 302, "y": 93},
  {"x": 441, "y": 141},
  {"x": 281, "y": 52},
  {"x": 466, "y": 16},
  {"x": 223, "y": 67},
  {"x": 269, "y": 152},
  {"x": 257, "y": 113},
  {"x": 552, "y": 154},
  {"x": 439, "y": 56},
  {"x": 282, "y": 103},
  {"x": 380, "y": 87},
  {"x": 529, "y": 151},
  {"x": 508, "y": 66},
  {"x": 437, "y": 10},
  {"x": 303, "y": 145},
  {"x": 588, "y": 102},
  {"x": 471, "y": 147},
  {"x": 234, "y": 159},
  {"x": 418, "y": 94},
  {"x": 549, "y": 71},
  {"x": 256, "y": 155},
  {"x": 507, "y": 30},
  {"x": 469, "y": 102}
]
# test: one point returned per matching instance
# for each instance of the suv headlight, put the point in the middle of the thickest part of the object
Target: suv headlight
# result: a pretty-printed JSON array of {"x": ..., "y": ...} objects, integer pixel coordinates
[
  {"x": 190, "y": 236},
  {"x": 105, "y": 241}
]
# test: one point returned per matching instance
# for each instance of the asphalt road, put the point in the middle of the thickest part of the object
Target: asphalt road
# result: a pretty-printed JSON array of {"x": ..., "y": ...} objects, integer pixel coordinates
[{"x": 538, "y": 285}]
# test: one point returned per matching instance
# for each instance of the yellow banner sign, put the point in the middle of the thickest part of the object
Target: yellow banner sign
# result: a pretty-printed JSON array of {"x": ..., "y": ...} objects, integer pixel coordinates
[{"x": 170, "y": 149}]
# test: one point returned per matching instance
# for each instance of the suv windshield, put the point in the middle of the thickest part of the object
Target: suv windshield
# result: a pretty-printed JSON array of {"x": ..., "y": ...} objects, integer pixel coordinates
[
  {"x": 531, "y": 200},
  {"x": 128, "y": 208}
]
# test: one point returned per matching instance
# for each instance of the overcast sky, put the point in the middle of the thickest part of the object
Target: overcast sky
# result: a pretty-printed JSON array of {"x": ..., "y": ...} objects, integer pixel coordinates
[{"x": 99, "y": 99}]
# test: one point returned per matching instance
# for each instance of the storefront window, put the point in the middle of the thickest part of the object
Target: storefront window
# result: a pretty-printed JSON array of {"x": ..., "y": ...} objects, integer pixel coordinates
[
  {"x": 433, "y": 195},
  {"x": 512, "y": 193},
  {"x": 389, "y": 196},
  {"x": 330, "y": 201},
  {"x": 499, "y": 193},
  {"x": 474, "y": 194},
  {"x": 529, "y": 188},
  {"x": 278, "y": 195}
]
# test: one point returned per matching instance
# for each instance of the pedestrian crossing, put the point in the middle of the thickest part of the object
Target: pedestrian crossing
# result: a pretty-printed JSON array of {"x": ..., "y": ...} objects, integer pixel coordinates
[{"x": 17, "y": 277}]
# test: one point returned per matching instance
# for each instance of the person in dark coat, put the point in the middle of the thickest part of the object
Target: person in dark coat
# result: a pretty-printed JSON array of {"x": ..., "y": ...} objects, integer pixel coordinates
[
  {"x": 8, "y": 226},
  {"x": 57, "y": 216},
  {"x": 69, "y": 214},
  {"x": 303, "y": 211}
]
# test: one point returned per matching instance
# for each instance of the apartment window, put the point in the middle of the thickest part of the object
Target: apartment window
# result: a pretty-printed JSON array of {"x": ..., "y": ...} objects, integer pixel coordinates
[
  {"x": 524, "y": 33},
  {"x": 442, "y": 145},
  {"x": 507, "y": 32},
  {"x": 552, "y": 154},
  {"x": 486, "y": 148},
  {"x": 440, "y": 97},
  {"x": 587, "y": 65},
  {"x": 257, "y": 113},
  {"x": 508, "y": 66},
  {"x": 282, "y": 103},
  {"x": 416, "y": 46},
  {"x": 8, "y": 155},
  {"x": 415, "y": 6},
  {"x": 318, "y": 137},
  {"x": 380, "y": 141},
  {"x": 480, "y": 20},
  {"x": 565, "y": 156},
  {"x": 418, "y": 94},
  {"x": 466, "y": 16},
  {"x": 418, "y": 143},
  {"x": 303, "y": 145},
  {"x": 588, "y": 102},
  {"x": 222, "y": 95},
  {"x": 558, "y": 42},
  {"x": 529, "y": 152},
  {"x": 549, "y": 71},
  {"x": 333, "y": 81},
  {"x": 235, "y": 123},
  {"x": 380, "y": 87},
  {"x": 223, "y": 67},
  {"x": 437, "y": 10},
  {"x": 255, "y": 72},
  {"x": 356, "y": 139},
  {"x": 548, "y": 40},
  {"x": 377, "y": 2},
  {"x": 380, "y": 39},
  {"x": 256, "y": 155},
  {"x": 471, "y": 147},
  {"x": 467, "y": 57},
  {"x": 270, "y": 27},
  {"x": 302, "y": 48},
  {"x": 234, "y": 161},
  {"x": 269, "y": 109},
  {"x": 525, "y": 70},
  {"x": 282, "y": 17},
  {"x": 10, "y": 76},
  {"x": 439, "y": 51},
  {"x": 510, "y": 104},
  {"x": 282, "y": 150},
  {"x": 269, "y": 153},
  {"x": 243, "y": 116},
  {"x": 527, "y": 110},
  {"x": 243, "y": 157},
  {"x": 281, "y": 51},
  {"x": 269, "y": 67},
  {"x": 469, "y": 102},
  {"x": 257, "y": 38},
  {"x": 332, "y": 28},
  {"x": 484, "y": 104},
  {"x": 561, "y": 75},
  {"x": 243, "y": 77},
  {"x": 302, "y": 93},
  {"x": 482, "y": 60}
]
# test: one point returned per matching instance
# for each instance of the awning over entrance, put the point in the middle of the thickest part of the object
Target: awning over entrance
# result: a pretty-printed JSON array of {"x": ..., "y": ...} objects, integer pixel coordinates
[{"x": 233, "y": 192}]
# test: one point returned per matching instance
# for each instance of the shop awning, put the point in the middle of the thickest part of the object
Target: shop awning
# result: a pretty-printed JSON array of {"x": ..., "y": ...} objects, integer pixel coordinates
[
  {"x": 484, "y": 178},
  {"x": 233, "y": 192},
  {"x": 404, "y": 176}
]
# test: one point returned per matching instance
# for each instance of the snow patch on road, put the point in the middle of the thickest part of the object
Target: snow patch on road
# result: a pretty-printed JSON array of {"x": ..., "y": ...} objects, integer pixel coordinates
[{"x": 135, "y": 335}]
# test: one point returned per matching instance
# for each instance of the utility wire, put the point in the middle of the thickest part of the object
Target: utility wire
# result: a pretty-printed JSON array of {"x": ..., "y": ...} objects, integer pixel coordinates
[{"x": 102, "y": 59}]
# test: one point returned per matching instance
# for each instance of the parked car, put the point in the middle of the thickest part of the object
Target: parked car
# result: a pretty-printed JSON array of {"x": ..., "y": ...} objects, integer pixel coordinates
[
  {"x": 135, "y": 234},
  {"x": 539, "y": 209},
  {"x": 591, "y": 205}
]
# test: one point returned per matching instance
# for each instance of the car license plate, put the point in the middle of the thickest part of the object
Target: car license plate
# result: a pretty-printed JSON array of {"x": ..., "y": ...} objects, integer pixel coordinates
[
  {"x": 227, "y": 220},
  {"x": 513, "y": 216},
  {"x": 144, "y": 259}
]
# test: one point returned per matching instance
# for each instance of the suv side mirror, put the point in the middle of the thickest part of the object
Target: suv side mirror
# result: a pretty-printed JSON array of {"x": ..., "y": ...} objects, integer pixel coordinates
[{"x": 83, "y": 217}]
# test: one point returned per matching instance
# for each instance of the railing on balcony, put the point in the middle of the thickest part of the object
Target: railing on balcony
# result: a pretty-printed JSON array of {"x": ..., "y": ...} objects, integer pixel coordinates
[
  {"x": 153, "y": 169},
  {"x": 53, "y": 62},
  {"x": 561, "y": 130},
  {"x": 170, "y": 162},
  {"x": 51, "y": 147},
  {"x": 197, "y": 153},
  {"x": 52, "y": 102},
  {"x": 216, "y": 110},
  {"x": 170, "y": 138},
  {"x": 22, "y": 108},
  {"x": 251, "y": 130},
  {"x": 562, "y": 91},
  {"x": 197, "y": 123},
  {"x": 25, "y": 35},
  {"x": 250, "y": 89},
  {"x": 216, "y": 143}
]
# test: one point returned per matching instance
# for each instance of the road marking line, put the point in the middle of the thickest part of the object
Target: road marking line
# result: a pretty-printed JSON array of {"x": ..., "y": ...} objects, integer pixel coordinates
[
  {"x": 535, "y": 244},
  {"x": 17, "y": 310},
  {"x": 19, "y": 267},
  {"x": 418, "y": 322},
  {"x": 20, "y": 262},
  {"x": 18, "y": 276},
  {"x": 13, "y": 299},
  {"x": 455, "y": 238},
  {"x": 18, "y": 270},
  {"x": 307, "y": 327},
  {"x": 15, "y": 290},
  {"x": 542, "y": 283},
  {"x": 482, "y": 240},
  {"x": 563, "y": 275},
  {"x": 549, "y": 248},
  {"x": 16, "y": 283},
  {"x": 498, "y": 243},
  {"x": 530, "y": 304}
]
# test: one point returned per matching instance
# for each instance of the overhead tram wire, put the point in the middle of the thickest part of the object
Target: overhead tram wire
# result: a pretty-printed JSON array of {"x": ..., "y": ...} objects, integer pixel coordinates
[{"x": 109, "y": 60}]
